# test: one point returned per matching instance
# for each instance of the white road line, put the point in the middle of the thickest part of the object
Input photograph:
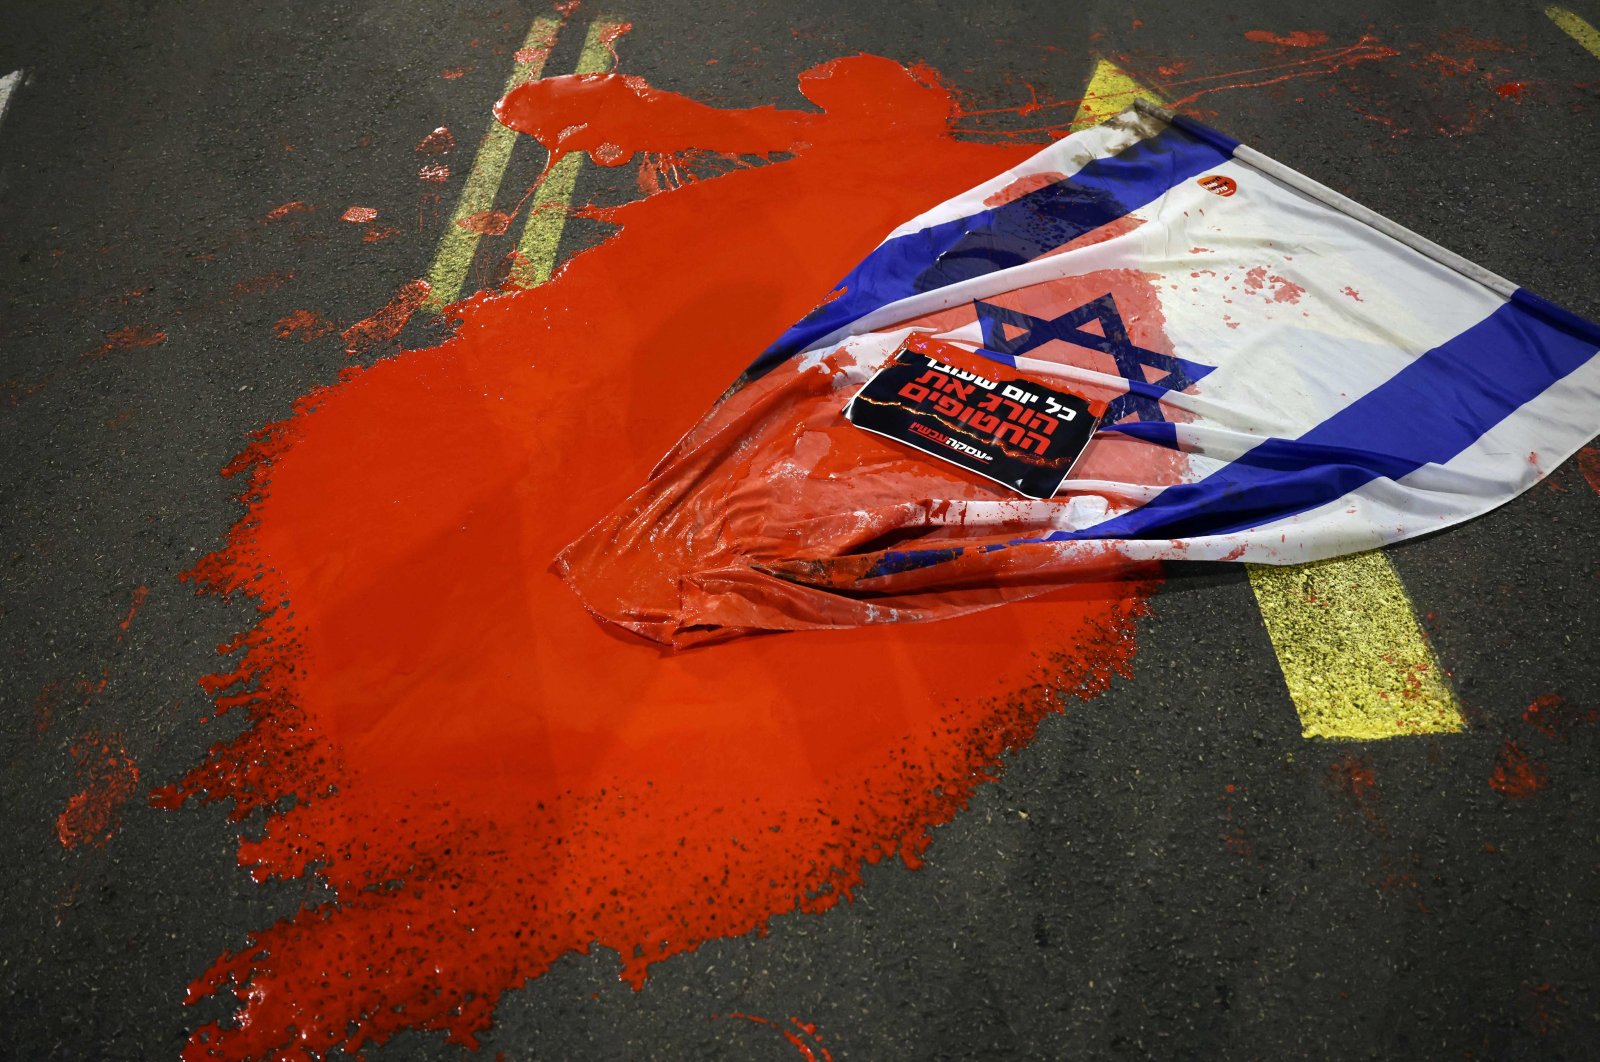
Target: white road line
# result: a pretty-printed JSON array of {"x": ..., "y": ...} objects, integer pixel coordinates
[{"x": 8, "y": 85}]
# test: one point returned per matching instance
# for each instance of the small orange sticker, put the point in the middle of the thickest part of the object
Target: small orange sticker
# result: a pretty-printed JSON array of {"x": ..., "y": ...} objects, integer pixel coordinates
[{"x": 1217, "y": 184}]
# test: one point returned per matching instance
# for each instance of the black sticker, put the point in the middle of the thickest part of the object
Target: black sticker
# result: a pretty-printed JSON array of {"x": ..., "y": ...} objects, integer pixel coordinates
[{"x": 1010, "y": 429}]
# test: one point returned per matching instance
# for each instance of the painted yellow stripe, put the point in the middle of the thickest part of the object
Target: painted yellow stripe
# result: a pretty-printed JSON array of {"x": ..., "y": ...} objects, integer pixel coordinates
[
  {"x": 1354, "y": 657},
  {"x": 1352, "y": 653},
  {"x": 457, "y": 246},
  {"x": 1111, "y": 91},
  {"x": 1575, "y": 27},
  {"x": 547, "y": 211}
]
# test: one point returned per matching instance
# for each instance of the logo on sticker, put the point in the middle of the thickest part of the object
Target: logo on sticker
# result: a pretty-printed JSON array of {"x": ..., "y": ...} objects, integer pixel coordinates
[{"x": 1217, "y": 184}]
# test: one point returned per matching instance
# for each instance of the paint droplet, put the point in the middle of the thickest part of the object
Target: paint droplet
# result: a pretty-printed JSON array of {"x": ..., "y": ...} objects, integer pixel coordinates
[
  {"x": 454, "y": 72},
  {"x": 359, "y": 215},
  {"x": 437, "y": 142},
  {"x": 1512, "y": 90},
  {"x": 437, "y": 172}
]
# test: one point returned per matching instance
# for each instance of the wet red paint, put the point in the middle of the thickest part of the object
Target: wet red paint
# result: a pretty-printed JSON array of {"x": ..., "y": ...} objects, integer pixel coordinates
[
  {"x": 437, "y": 142},
  {"x": 484, "y": 774},
  {"x": 109, "y": 778},
  {"x": 1516, "y": 775},
  {"x": 1296, "y": 39},
  {"x": 1512, "y": 90},
  {"x": 359, "y": 215},
  {"x": 305, "y": 325},
  {"x": 1352, "y": 293},
  {"x": 384, "y": 326},
  {"x": 1589, "y": 467}
]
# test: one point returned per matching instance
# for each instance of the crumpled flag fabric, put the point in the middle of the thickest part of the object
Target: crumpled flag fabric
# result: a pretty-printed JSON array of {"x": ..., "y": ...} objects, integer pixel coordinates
[{"x": 1288, "y": 378}]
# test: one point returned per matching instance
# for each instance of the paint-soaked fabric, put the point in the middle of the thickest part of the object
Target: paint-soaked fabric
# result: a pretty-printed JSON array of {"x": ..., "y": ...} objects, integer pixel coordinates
[{"x": 1283, "y": 384}]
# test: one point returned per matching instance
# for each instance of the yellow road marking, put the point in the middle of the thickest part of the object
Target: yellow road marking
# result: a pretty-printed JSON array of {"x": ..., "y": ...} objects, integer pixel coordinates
[
  {"x": 1354, "y": 657},
  {"x": 547, "y": 212},
  {"x": 1575, "y": 27},
  {"x": 1111, "y": 91},
  {"x": 458, "y": 244}
]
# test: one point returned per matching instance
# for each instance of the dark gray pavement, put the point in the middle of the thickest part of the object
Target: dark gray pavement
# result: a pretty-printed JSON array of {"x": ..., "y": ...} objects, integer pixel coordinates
[{"x": 1110, "y": 897}]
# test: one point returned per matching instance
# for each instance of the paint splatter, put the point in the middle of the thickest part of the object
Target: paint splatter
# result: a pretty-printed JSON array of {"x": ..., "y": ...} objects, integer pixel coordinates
[
  {"x": 801, "y": 1035},
  {"x": 1555, "y": 717},
  {"x": 1297, "y": 39},
  {"x": 437, "y": 172},
  {"x": 1258, "y": 282},
  {"x": 110, "y": 778},
  {"x": 1516, "y": 775},
  {"x": 486, "y": 222},
  {"x": 128, "y": 337},
  {"x": 384, "y": 326},
  {"x": 1589, "y": 467},
  {"x": 1353, "y": 776},
  {"x": 140, "y": 593},
  {"x": 278, "y": 213},
  {"x": 256, "y": 285},
  {"x": 307, "y": 325},
  {"x": 379, "y": 234},
  {"x": 1351, "y": 292},
  {"x": 438, "y": 142},
  {"x": 454, "y": 72},
  {"x": 483, "y": 773},
  {"x": 359, "y": 215},
  {"x": 1512, "y": 90}
]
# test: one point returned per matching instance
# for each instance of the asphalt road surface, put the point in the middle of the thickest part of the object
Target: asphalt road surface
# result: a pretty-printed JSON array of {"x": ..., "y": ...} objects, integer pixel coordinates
[{"x": 1170, "y": 870}]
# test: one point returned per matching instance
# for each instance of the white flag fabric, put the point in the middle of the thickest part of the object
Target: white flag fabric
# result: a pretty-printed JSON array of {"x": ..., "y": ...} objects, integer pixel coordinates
[{"x": 1288, "y": 377}]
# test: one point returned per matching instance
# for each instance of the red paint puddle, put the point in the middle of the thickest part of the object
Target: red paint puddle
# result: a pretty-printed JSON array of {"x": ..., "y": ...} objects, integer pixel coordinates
[
  {"x": 802, "y": 1036},
  {"x": 1516, "y": 775},
  {"x": 278, "y": 213},
  {"x": 369, "y": 333},
  {"x": 111, "y": 777},
  {"x": 1555, "y": 717},
  {"x": 1512, "y": 90},
  {"x": 1297, "y": 39},
  {"x": 486, "y": 775},
  {"x": 307, "y": 325},
  {"x": 1589, "y": 467},
  {"x": 359, "y": 215}
]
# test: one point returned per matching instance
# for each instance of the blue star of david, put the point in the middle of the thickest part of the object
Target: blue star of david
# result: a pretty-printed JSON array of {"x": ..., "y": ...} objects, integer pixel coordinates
[{"x": 1143, "y": 398}]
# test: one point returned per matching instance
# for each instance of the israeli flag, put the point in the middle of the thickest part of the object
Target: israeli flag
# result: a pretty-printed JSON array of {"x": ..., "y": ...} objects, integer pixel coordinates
[{"x": 1288, "y": 377}]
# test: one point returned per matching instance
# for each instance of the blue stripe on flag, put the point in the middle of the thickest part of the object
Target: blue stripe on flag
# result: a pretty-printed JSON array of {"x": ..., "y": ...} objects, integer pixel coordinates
[
  {"x": 1428, "y": 412},
  {"x": 1007, "y": 235}
]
